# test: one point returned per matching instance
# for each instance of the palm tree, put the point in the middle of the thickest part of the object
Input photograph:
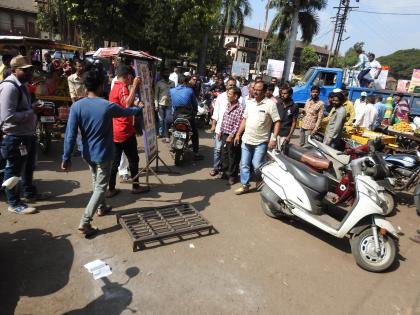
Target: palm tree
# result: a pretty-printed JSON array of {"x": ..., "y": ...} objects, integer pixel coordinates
[
  {"x": 233, "y": 16},
  {"x": 308, "y": 19},
  {"x": 291, "y": 15}
]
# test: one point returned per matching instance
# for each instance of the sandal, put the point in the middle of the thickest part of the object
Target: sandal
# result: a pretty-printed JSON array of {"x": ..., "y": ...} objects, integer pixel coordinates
[
  {"x": 140, "y": 190},
  {"x": 112, "y": 193},
  {"x": 214, "y": 172}
]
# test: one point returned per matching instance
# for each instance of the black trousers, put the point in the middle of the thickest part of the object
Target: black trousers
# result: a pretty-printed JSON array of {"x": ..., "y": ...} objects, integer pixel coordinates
[
  {"x": 231, "y": 157},
  {"x": 188, "y": 113},
  {"x": 129, "y": 147}
]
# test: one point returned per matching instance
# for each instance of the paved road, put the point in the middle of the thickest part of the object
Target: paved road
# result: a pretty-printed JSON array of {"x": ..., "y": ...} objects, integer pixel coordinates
[{"x": 254, "y": 264}]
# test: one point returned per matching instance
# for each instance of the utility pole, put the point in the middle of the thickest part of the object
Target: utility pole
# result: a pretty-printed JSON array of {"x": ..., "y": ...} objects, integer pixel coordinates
[
  {"x": 334, "y": 32},
  {"x": 292, "y": 40},
  {"x": 341, "y": 24},
  {"x": 262, "y": 37}
]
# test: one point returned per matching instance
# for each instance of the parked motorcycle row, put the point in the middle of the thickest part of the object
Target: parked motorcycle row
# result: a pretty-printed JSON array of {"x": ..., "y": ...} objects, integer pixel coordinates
[{"x": 345, "y": 194}]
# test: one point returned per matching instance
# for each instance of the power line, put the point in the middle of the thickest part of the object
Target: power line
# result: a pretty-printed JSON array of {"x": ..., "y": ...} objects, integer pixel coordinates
[{"x": 386, "y": 13}]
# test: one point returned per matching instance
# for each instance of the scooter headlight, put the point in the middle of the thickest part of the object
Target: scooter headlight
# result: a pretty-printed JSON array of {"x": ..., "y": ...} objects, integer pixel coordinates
[{"x": 374, "y": 196}]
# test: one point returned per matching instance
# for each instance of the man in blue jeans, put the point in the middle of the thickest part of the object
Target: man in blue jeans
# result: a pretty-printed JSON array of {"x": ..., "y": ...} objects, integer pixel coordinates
[
  {"x": 18, "y": 121},
  {"x": 259, "y": 116},
  {"x": 93, "y": 116}
]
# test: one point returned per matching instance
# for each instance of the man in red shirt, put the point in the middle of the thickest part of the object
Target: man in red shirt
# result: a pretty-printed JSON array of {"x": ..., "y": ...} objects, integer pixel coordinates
[{"x": 124, "y": 132}]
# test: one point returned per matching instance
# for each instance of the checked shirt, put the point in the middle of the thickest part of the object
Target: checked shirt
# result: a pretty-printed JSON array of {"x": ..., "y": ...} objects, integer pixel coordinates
[{"x": 232, "y": 120}]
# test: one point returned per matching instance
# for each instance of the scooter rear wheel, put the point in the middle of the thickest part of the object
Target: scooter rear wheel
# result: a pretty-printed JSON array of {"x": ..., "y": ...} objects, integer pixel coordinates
[
  {"x": 363, "y": 250},
  {"x": 270, "y": 211}
]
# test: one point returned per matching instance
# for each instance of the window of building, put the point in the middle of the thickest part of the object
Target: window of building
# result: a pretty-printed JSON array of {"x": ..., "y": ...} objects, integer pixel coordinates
[
  {"x": 19, "y": 22},
  {"x": 234, "y": 39},
  {"x": 5, "y": 21}
]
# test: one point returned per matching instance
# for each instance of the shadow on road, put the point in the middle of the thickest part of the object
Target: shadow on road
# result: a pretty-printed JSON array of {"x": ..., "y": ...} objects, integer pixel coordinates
[
  {"x": 33, "y": 263},
  {"x": 114, "y": 300}
]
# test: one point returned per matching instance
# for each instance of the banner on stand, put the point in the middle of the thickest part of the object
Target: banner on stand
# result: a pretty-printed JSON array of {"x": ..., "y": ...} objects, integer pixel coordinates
[
  {"x": 415, "y": 80},
  {"x": 149, "y": 126},
  {"x": 275, "y": 69}
]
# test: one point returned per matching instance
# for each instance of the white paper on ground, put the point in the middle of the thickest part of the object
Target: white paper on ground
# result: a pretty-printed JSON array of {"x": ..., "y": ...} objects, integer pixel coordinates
[
  {"x": 94, "y": 265},
  {"x": 102, "y": 272}
]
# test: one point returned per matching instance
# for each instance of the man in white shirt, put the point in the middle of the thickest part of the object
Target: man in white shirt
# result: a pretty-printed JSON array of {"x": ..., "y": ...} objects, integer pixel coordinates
[
  {"x": 259, "y": 116},
  {"x": 360, "y": 103},
  {"x": 367, "y": 114},
  {"x": 220, "y": 106},
  {"x": 174, "y": 76},
  {"x": 375, "y": 70},
  {"x": 363, "y": 64},
  {"x": 276, "y": 92}
]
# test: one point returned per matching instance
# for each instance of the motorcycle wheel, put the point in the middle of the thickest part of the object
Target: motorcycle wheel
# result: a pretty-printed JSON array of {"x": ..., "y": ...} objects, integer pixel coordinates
[
  {"x": 390, "y": 203},
  {"x": 178, "y": 157},
  {"x": 363, "y": 250},
  {"x": 44, "y": 138}
]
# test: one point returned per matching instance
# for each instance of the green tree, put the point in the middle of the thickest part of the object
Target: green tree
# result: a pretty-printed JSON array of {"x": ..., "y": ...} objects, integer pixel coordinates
[
  {"x": 290, "y": 16},
  {"x": 402, "y": 63},
  {"x": 232, "y": 18},
  {"x": 275, "y": 50},
  {"x": 308, "y": 18},
  {"x": 308, "y": 58}
]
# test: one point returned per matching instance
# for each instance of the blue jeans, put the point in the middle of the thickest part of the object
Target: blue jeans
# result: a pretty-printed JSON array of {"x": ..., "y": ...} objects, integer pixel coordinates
[
  {"x": 217, "y": 155},
  {"x": 100, "y": 177},
  {"x": 19, "y": 165},
  {"x": 165, "y": 119},
  {"x": 251, "y": 155}
]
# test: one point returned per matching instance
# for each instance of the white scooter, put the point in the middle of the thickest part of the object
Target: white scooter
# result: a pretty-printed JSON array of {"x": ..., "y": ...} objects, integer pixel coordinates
[
  {"x": 340, "y": 160},
  {"x": 293, "y": 189}
]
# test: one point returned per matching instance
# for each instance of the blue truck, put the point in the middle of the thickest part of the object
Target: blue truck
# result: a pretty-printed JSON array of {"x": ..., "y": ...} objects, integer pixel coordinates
[{"x": 329, "y": 79}]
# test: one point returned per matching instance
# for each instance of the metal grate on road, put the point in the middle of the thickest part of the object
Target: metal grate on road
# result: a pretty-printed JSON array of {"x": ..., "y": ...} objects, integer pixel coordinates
[{"x": 157, "y": 224}]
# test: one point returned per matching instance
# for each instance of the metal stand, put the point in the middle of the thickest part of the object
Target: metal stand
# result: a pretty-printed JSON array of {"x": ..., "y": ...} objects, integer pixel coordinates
[{"x": 148, "y": 169}]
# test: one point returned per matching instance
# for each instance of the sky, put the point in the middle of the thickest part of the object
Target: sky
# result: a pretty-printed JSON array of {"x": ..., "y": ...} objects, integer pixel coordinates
[{"x": 382, "y": 34}]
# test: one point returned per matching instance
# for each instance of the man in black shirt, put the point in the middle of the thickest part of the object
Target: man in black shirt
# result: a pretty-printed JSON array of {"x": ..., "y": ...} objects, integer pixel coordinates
[{"x": 288, "y": 112}]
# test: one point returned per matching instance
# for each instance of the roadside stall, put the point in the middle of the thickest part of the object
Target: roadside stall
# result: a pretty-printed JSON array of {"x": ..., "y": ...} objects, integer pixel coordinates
[{"x": 49, "y": 84}]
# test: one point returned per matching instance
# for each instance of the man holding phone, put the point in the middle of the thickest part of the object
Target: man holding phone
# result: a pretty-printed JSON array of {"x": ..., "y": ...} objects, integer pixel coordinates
[{"x": 18, "y": 121}]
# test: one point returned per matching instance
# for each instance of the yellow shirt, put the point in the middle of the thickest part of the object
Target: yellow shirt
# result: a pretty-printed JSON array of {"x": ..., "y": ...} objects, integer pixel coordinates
[{"x": 348, "y": 105}]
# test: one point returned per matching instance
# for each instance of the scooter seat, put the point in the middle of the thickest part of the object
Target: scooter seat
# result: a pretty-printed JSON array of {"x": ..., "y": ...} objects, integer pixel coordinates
[
  {"x": 308, "y": 157},
  {"x": 305, "y": 175}
]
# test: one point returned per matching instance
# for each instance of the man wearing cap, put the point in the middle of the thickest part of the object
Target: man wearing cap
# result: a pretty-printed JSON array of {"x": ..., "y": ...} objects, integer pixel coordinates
[
  {"x": 360, "y": 104},
  {"x": 18, "y": 121}
]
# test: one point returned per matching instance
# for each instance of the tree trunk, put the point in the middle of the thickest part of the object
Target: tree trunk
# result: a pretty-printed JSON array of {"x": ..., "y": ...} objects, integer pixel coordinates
[
  {"x": 203, "y": 55},
  {"x": 292, "y": 42},
  {"x": 222, "y": 43}
]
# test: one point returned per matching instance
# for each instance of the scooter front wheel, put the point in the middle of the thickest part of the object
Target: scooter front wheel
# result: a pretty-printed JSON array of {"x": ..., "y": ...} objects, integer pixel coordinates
[{"x": 363, "y": 250}]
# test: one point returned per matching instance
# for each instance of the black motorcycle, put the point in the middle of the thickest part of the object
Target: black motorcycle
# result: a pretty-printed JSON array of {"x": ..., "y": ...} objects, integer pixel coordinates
[
  {"x": 180, "y": 138},
  {"x": 405, "y": 168}
]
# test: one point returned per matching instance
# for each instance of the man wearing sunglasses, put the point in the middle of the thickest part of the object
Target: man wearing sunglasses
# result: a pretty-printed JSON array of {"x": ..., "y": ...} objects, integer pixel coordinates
[{"x": 18, "y": 121}]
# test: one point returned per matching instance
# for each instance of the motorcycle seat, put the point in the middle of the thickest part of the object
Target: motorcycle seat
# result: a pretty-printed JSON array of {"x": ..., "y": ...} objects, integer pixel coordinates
[
  {"x": 182, "y": 121},
  {"x": 307, "y": 157},
  {"x": 342, "y": 158},
  {"x": 305, "y": 175}
]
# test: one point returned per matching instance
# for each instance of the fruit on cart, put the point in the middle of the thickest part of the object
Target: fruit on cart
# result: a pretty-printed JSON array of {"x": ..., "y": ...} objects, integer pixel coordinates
[{"x": 402, "y": 127}]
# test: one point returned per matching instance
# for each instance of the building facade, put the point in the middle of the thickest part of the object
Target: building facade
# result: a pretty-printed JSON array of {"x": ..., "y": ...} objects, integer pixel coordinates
[
  {"x": 244, "y": 47},
  {"x": 18, "y": 17}
]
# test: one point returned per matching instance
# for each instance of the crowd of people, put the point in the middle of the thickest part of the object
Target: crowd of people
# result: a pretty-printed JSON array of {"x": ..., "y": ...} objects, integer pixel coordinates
[{"x": 248, "y": 119}]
